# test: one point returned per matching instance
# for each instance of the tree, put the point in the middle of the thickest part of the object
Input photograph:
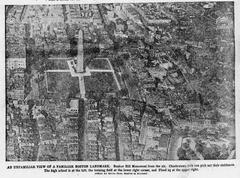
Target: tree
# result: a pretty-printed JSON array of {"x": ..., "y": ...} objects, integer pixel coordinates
[
  {"x": 92, "y": 50},
  {"x": 199, "y": 146},
  {"x": 181, "y": 153},
  {"x": 125, "y": 76},
  {"x": 97, "y": 96},
  {"x": 123, "y": 92},
  {"x": 119, "y": 61},
  {"x": 211, "y": 153},
  {"x": 125, "y": 56}
]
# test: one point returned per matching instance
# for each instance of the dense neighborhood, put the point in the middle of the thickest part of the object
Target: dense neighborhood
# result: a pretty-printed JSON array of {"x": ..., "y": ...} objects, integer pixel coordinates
[{"x": 125, "y": 82}]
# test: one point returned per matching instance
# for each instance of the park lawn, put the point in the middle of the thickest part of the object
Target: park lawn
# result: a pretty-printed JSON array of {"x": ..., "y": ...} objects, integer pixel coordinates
[
  {"x": 57, "y": 64},
  {"x": 100, "y": 82},
  {"x": 62, "y": 84},
  {"x": 99, "y": 63}
]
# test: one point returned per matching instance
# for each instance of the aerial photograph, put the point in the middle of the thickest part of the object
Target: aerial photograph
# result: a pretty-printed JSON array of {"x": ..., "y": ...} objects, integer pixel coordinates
[{"x": 120, "y": 81}]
